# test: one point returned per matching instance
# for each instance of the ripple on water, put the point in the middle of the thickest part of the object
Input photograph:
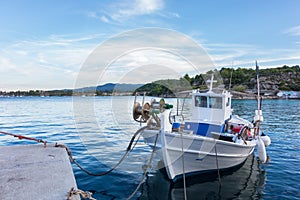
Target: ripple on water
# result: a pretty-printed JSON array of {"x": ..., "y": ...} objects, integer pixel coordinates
[{"x": 98, "y": 139}]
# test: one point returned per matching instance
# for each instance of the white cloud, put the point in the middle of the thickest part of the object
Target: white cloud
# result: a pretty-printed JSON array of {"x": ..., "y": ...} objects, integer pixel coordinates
[
  {"x": 54, "y": 62},
  {"x": 145, "y": 65},
  {"x": 104, "y": 19},
  {"x": 148, "y": 6},
  {"x": 128, "y": 9},
  {"x": 169, "y": 15},
  {"x": 142, "y": 50},
  {"x": 50, "y": 63},
  {"x": 294, "y": 31},
  {"x": 120, "y": 11},
  {"x": 92, "y": 14},
  {"x": 244, "y": 55},
  {"x": 6, "y": 65},
  {"x": 66, "y": 39}
]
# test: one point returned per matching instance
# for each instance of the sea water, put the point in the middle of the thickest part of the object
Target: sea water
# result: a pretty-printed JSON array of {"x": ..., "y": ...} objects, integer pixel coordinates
[{"x": 98, "y": 129}]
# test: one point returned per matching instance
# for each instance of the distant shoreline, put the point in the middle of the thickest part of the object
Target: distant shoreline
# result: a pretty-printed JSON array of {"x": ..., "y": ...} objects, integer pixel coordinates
[
  {"x": 275, "y": 83},
  {"x": 235, "y": 96}
]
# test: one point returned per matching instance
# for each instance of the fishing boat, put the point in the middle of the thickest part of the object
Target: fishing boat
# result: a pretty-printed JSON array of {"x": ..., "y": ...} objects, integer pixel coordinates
[{"x": 213, "y": 139}]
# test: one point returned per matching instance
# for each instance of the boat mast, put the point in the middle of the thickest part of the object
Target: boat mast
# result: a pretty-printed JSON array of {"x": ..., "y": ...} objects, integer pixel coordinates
[
  {"x": 230, "y": 80},
  {"x": 230, "y": 77},
  {"x": 258, "y": 87},
  {"x": 258, "y": 118},
  {"x": 261, "y": 149}
]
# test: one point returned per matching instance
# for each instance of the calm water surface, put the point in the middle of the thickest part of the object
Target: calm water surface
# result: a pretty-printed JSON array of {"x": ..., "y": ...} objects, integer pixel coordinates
[{"x": 98, "y": 130}]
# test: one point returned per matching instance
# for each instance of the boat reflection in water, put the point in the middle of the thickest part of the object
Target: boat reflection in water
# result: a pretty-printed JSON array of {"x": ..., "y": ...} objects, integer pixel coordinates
[{"x": 243, "y": 182}]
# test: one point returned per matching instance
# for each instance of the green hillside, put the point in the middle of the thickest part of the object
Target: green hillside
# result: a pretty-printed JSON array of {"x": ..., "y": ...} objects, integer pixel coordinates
[{"x": 272, "y": 79}]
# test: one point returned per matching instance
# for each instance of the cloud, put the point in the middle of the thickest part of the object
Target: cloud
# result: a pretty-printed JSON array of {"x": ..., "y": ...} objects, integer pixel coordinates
[
  {"x": 144, "y": 51},
  {"x": 244, "y": 55},
  {"x": 128, "y": 9},
  {"x": 225, "y": 54},
  {"x": 147, "y": 7},
  {"x": 92, "y": 14},
  {"x": 104, "y": 19},
  {"x": 147, "y": 55},
  {"x": 49, "y": 63},
  {"x": 144, "y": 66},
  {"x": 124, "y": 10},
  {"x": 72, "y": 39},
  {"x": 293, "y": 31}
]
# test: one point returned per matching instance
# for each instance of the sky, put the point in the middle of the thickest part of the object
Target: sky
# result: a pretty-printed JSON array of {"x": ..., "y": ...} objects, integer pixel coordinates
[{"x": 47, "y": 44}]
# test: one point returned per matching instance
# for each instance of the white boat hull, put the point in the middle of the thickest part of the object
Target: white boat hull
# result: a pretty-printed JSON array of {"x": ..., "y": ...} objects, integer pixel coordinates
[{"x": 201, "y": 154}]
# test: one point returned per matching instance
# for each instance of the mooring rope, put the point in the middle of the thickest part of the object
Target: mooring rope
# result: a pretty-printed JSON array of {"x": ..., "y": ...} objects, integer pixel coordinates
[
  {"x": 20, "y": 137},
  {"x": 111, "y": 169},
  {"x": 183, "y": 168},
  {"x": 136, "y": 141},
  {"x": 219, "y": 175},
  {"x": 83, "y": 194},
  {"x": 217, "y": 163},
  {"x": 147, "y": 167}
]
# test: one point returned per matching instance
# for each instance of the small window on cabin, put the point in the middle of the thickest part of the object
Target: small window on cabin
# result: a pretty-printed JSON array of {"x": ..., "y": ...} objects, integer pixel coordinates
[
  {"x": 201, "y": 101},
  {"x": 215, "y": 102}
]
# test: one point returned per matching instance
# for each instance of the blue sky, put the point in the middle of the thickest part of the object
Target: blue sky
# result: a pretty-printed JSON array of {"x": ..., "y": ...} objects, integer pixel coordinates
[{"x": 45, "y": 43}]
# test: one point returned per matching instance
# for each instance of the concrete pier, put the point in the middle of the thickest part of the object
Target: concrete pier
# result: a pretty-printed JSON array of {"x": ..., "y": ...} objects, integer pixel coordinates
[{"x": 35, "y": 172}]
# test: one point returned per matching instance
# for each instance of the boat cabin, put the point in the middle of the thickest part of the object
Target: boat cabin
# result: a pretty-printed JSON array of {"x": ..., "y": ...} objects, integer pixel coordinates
[{"x": 210, "y": 111}]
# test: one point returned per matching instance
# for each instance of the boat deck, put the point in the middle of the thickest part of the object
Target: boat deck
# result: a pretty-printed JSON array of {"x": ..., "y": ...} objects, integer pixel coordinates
[{"x": 35, "y": 172}]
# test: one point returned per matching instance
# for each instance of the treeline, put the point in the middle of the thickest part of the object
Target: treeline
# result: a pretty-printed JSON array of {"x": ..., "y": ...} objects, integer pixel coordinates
[
  {"x": 281, "y": 78},
  {"x": 240, "y": 79},
  {"x": 37, "y": 93}
]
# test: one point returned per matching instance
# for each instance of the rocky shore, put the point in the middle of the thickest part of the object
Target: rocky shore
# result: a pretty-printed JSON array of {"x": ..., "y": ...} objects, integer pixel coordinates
[{"x": 243, "y": 95}]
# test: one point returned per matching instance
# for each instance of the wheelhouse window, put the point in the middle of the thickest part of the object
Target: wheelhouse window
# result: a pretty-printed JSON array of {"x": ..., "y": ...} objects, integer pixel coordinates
[
  {"x": 201, "y": 101},
  {"x": 215, "y": 102}
]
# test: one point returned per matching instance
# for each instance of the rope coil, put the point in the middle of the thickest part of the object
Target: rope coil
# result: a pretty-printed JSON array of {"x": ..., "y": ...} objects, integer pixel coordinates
[{"x": 83, "y": 194}]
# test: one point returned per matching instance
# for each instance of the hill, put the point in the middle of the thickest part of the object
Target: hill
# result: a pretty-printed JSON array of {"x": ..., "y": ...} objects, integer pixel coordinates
[
  {"x": 273, "y": 79},
  {"x": 118, "y": 88},
  {"x": 109, "y": 88},
  {"x": 106, "y": 89},
  {"x": 243, "y": 81}
]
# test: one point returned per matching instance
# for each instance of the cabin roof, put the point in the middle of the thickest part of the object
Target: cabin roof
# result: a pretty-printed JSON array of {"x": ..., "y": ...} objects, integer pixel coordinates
[{"x": 211, "y": 94}]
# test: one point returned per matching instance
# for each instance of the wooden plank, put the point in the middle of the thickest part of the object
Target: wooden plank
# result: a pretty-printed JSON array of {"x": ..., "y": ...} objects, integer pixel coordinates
[{"x": 35, "y": 172}]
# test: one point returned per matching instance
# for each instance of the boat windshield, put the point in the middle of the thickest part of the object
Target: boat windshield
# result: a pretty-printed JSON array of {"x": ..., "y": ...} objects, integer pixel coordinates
[
  {"x": 208, "y": 102},
  {"x": 215, "y": 102},
  {"x": 201, "y": 101}
]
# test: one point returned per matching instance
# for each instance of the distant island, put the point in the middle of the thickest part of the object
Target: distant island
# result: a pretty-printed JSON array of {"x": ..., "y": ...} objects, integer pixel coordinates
[{"x": 275, "y": 83}]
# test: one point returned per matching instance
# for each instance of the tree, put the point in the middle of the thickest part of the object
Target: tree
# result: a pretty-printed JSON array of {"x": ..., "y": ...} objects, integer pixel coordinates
[
  {"x": 187, "y": 77},
  {"x": 239, "y": 88}
]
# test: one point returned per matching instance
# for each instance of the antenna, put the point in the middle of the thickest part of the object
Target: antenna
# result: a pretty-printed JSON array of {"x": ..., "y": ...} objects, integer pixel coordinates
[
  {"x": 230, "y": 76},
  {"x": 230, "y": 79},
  {"x": 258, "y": 87}
]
